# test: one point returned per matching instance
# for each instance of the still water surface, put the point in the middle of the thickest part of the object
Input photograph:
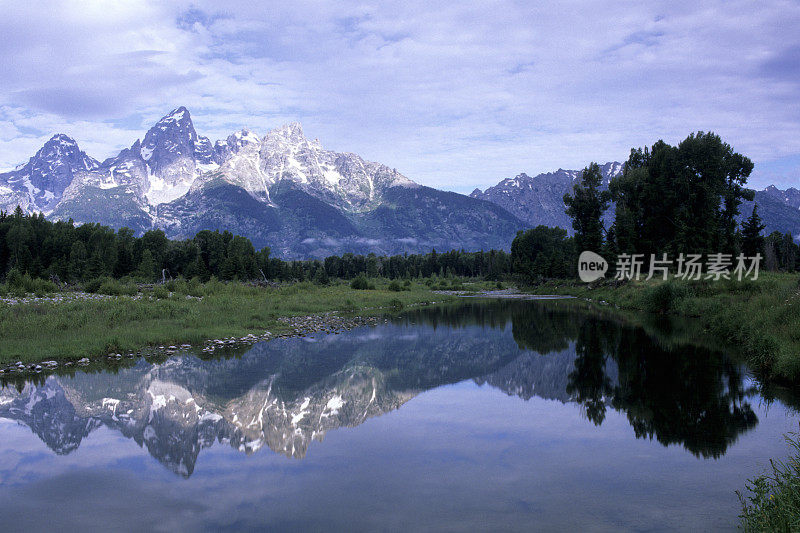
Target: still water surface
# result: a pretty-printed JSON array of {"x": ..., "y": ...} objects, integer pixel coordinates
[{"x": 485, "y": 415}]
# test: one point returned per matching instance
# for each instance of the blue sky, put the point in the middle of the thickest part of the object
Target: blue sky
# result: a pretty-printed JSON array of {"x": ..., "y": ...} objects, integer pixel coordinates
[{"x": 455, "y": 95}]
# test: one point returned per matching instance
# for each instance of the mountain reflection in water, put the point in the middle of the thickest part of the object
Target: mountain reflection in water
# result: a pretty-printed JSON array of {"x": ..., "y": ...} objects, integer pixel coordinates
[{"x": 285, "y": 393}]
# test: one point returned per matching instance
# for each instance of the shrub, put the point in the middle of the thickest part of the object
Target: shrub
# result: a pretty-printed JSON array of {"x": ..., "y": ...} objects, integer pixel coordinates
[
  {"x": 160, "y": 292},
  {"x": 213, "y": 286},
  {"x": 40, "y": 287},
  {"x": 394, "y": 286},
  {"x": 113, "y": 287},
  {"x": 663, "y": 298},
  {"x": 21, "y": 283},
  {"x": 93, "y": 285},
  {"x": 194, "y": 287},
  {"x": 396, "y": 303},
  {"x": 361, "y": 283},
  {"x": 15, "y": 279},
  {"x": 348, "y": 306}
]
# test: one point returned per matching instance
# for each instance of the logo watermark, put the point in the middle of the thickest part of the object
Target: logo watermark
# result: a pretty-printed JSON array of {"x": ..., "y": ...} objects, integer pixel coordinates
[{"x": 592, "y": 267}]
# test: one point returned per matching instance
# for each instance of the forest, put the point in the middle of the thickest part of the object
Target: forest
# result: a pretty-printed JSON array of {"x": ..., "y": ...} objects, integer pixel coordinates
[{"x": 62, "y": 252}]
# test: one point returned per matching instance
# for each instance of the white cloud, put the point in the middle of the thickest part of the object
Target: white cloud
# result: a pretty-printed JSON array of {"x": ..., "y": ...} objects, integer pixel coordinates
[{"x": 454, "y": 95}]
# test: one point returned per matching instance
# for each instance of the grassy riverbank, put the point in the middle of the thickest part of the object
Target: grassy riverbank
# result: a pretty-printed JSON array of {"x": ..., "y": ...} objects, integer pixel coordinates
[
  {"x": 772, "y": 500},
  {"x": 182, "y": 312},
  {"x": 760, "y": 317}
]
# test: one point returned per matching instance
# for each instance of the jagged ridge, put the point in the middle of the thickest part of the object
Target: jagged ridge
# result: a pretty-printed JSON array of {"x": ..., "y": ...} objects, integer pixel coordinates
[{"x": 281, "y": 190}]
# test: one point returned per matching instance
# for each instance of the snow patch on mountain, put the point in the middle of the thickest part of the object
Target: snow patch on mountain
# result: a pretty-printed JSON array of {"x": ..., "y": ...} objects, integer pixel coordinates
[{"x": 173, "y": 160}]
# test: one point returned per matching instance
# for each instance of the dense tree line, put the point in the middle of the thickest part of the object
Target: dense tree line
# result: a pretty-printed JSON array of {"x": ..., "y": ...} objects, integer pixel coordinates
[
  {"x": 686, "y": 198},
  {"x": 668, "y": 200},
  {"x": 43, "y": 249}
]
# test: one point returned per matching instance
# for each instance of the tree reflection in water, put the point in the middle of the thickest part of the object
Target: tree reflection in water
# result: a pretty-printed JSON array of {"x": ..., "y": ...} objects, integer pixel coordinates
[{"x": 284, "y": 394}]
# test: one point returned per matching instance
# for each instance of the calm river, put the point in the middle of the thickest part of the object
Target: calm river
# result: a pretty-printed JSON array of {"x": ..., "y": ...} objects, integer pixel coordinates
[{"x": 492, "y": 415}]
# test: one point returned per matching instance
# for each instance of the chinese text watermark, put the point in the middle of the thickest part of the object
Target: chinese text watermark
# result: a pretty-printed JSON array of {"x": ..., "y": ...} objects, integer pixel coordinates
[{"x": 717, "y": 266}]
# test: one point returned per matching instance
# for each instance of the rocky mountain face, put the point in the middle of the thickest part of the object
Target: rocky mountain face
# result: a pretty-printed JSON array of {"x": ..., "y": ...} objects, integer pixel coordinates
[
  {"x": 790, "y": 196},
  {"x": 39, "y": 184},
  {"x": 540, "y": 200},
  {"x": 282, "y": 190},
  {"x": 776, "y": 211}
]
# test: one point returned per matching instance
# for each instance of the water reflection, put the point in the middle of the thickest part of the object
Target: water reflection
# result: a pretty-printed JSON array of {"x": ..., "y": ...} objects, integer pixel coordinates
[{"x": 286, "y": 393}]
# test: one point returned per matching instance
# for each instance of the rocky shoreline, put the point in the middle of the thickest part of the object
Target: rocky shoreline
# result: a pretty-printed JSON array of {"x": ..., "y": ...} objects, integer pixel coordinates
[
  {"x": 297, "y": 326},
  {"x": 77, "y": 296}
]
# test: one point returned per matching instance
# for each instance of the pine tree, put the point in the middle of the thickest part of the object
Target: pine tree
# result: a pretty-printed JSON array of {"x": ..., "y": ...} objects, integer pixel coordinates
[
  {"x": 77, "y": 261},
  {"x": 752, "y": 240},
  {"x": 789, "y": 253},
  {"x": 321, "y": 276},
  {"x": 147, "y": 266},
  {"x": 586, "y": 206},
  {"x": 95, "y": 268}
]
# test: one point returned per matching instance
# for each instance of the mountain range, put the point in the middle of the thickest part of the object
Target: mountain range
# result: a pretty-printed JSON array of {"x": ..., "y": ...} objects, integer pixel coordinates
[
  {"x": 281, "y": 189},
  {"x": 286, "y": 191},
  {"x": 539, "y": 200}
]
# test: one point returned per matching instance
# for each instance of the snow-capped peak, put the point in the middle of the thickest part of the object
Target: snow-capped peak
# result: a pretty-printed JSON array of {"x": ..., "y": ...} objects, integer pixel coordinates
[
  {"x": 291, "y": 132},
  {"x": 176, "y": 115},
  {"x": 241, "y": 139},
  {"x": 246, "y": 136},
  {"x": 168, "y": 161},
  {"x": 57, "y": 146},
  {"x": 61, "y": 139}
]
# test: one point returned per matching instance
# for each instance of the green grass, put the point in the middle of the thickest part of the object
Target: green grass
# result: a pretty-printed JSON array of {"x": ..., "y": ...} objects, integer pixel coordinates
[
  {"x": 772, "y": 502},
  {"x": 75, "y": 329},
  {"x": 760, "y": 318}
]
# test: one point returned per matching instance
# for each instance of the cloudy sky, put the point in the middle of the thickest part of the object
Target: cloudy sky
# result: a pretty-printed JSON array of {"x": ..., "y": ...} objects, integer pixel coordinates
[{"x": 455, "y": 95}]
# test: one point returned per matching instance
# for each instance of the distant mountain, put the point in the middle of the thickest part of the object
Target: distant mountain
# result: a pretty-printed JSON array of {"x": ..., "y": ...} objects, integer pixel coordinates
[
  {"x": 776, "y": 209},
  {"x": 281, "y": 190},
  {"x": 540, "y": 200},
  {"x": 39, "y": 184},
  {"x": 790, "y": 196}
]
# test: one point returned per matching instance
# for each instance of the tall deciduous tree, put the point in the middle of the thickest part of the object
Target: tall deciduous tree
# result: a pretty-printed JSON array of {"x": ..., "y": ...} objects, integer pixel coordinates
[{"x": 681, "y": 198}]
